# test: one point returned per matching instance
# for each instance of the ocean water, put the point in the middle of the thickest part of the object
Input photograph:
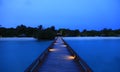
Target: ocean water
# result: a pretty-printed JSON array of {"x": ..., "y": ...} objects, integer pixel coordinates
[
  {"x": 16, "y": 54},
  {"x": 102, "y": 54}
]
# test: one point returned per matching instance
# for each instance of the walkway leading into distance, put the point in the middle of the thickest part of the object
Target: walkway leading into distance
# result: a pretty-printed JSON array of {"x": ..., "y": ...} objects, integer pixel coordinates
[{"x": 59, "y": 59}]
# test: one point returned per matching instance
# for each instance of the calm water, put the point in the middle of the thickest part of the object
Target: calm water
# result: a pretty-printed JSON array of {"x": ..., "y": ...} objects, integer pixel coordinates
[
  {"x": 101, "y": 54},
  {"x": 16, "y": 54}
]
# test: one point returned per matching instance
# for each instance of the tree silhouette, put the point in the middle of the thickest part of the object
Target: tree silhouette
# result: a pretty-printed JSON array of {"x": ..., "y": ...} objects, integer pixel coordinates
[
  {"x": 47, "y": 34},
  {"x": 50, "y": 32}
]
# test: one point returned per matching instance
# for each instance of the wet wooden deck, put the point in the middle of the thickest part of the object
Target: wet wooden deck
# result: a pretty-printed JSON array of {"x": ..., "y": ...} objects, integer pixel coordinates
[{"x": 59, "y": 60}]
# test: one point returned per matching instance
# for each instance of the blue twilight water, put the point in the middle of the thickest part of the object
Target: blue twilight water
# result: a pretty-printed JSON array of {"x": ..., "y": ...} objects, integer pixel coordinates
[
  {"x": 101, "y": 54},
  {"x": 16, "y": 54}
]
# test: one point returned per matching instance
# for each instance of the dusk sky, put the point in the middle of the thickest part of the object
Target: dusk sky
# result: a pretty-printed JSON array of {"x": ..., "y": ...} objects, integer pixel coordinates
[{"x": 73, "y": 14}]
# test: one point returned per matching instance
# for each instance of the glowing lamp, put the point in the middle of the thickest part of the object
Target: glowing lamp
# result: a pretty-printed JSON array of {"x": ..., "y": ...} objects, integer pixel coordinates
[
  {"x": 71, "y": 57},
  {"x": 52, "y": 50},
  {"x": 64, "y": 45}
]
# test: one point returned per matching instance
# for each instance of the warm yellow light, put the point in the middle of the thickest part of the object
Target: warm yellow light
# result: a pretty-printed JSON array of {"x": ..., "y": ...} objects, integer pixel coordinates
[
  {"x": 52, "y": 49},
  {"x": 71, "y": 57},
  {"x": 64, "y": 45}
]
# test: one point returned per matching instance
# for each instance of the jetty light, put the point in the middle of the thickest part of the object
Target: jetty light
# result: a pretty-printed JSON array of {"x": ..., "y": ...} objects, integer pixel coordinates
[
  {"x": 63, "y": 45},
  {"x": 71, "y": 57},
  {"x": 52, "y": 50}
]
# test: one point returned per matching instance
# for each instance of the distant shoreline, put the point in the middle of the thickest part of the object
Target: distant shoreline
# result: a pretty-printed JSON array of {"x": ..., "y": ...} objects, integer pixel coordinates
[
  {"x": 87, "y": 38},
  {"x": 17, "y": 38},
  {"x": 112, "y": 37}
]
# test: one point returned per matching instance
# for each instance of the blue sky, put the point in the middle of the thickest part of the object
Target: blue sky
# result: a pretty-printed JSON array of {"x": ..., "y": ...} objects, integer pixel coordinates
[{"x": 73, "y": 14}]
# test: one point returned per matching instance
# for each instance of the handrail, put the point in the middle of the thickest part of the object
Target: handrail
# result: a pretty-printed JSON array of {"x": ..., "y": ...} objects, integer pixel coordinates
[
  {"x": 83, "y": 66},
  {"x": 35, "y": 65}
]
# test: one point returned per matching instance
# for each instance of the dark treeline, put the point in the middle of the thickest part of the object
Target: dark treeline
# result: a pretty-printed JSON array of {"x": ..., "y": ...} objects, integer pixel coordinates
[
  {"x": 49, "y": 33},
  {"x": 23, "y": 31},
  {"x": 105, "y": 32}
]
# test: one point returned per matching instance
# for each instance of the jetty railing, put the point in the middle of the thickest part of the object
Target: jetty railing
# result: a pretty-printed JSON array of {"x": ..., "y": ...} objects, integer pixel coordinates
[
  {"x": 36, "y": 64},
  {"x": 83, "y": 65}
]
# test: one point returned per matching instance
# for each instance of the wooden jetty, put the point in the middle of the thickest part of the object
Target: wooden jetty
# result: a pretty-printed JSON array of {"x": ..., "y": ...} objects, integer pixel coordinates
[{"x": 59, "y": 57}]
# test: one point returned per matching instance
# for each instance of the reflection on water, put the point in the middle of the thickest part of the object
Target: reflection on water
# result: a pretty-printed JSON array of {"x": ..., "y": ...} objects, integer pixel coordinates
[
  {"x": 16, "y": 54},
  {"x": 102, "y": 55}
]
